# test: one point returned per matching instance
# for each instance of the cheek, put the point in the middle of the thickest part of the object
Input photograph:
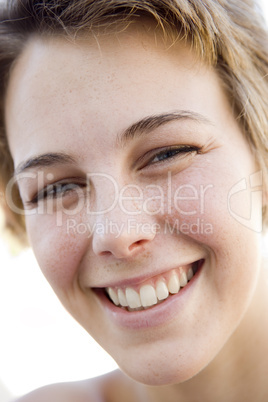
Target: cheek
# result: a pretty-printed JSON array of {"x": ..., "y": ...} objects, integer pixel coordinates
[
  {"x": 215, "y": 195},
  {"x": 206, "y": 210},
  {"x": 56, "y": 249},
  {"x": 192, "y": 202}
]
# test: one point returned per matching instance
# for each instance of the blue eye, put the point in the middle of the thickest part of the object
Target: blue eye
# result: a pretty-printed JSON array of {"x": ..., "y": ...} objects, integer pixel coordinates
[{"x": 172, "y": 152}]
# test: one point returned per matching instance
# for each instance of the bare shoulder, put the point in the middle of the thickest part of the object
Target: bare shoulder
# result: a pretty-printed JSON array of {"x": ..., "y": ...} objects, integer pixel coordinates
[{"x": 110, "y": 387}]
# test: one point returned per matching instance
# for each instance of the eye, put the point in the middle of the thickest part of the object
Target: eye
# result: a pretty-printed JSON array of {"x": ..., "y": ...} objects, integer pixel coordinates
[
  {"x": 57, "y": 190},
  {"x": 169, "y": 153}
]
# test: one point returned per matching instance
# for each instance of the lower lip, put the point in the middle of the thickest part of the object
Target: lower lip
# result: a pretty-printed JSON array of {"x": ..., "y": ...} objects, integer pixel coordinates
[{"x": 151, "y": 317}]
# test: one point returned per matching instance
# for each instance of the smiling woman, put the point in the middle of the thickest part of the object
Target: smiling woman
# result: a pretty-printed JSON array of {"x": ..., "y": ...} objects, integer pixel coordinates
[{"x": 134, "y": 146}]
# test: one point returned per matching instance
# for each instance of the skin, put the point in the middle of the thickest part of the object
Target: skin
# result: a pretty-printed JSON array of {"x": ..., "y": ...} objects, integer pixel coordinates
[{"x": 76, "y": 98}]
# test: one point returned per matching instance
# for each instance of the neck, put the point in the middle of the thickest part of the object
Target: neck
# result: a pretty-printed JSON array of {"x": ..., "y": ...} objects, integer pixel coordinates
[{"x": 239, "y": 372}]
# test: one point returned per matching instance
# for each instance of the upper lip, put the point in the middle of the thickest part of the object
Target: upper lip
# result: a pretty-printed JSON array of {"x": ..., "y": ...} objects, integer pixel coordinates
[{"x": 137, "y": 280}]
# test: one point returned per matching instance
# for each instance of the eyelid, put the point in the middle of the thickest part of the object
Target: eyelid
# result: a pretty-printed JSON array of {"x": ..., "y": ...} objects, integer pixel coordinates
[
  {"x": 39, "y": 196},
  {"x": 146, "y": 160}
]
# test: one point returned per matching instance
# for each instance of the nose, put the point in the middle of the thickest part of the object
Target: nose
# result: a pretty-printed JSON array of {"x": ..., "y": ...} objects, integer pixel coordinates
[
  {"x": 121, "y": 240},
  {"x": 124, "y": 229}
]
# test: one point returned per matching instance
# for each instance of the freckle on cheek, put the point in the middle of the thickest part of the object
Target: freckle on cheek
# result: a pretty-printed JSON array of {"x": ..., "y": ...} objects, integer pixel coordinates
[{"x": 60, "y": 265}]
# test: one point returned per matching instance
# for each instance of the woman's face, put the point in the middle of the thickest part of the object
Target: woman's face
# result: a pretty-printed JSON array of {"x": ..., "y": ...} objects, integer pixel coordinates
[{"x": 147, "y": 163}]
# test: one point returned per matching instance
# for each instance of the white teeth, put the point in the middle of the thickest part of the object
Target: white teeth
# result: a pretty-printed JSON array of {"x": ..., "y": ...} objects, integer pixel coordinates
[
  {"x": 113, "y": 296},
  {"x": 122, "y": 298},
  {"x": 183, "y": 279},
  {"x": 148, "y": 296},
  {"x": 133, "y": 298},
  {"x": 161, "y": 290},
  {"x": 190, "y": 274},
  {"x": 174, "y": 284}
]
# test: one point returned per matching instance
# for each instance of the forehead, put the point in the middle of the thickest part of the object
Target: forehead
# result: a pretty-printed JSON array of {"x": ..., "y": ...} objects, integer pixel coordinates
[
  {"x": 99, "y": 84},
  {"x": 94, "y": 60}
]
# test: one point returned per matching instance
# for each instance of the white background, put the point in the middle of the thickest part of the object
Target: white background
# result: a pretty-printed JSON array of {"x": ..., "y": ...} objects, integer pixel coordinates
[{"x": 39, "y": 342}]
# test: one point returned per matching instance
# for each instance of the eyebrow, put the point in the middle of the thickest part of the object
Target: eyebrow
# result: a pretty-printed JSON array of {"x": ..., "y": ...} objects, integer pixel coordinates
[
  {"x": 150, "y": 123},
  {"x": 44, "y": 160},
  {"x": 143, "y": 126}
]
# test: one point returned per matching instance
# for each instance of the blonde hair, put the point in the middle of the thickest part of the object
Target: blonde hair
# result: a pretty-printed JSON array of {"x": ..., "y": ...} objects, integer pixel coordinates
[{"x": 228, "y": 34}]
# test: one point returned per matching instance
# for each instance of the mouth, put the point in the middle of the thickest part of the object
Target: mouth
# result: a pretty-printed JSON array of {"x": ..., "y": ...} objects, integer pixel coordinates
[{"x": 154, "y": 291}]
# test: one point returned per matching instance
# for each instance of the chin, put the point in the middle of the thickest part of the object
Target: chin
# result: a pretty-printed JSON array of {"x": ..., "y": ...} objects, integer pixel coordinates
[{"x": 163, "y": 370}]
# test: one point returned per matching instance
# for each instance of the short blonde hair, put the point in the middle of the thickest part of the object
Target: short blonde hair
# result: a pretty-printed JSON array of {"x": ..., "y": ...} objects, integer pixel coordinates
[{"x": 229, "y": 34}]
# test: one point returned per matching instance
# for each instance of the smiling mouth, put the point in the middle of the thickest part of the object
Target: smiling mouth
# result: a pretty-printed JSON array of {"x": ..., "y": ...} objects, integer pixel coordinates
[{"x": 154, "y": 291}]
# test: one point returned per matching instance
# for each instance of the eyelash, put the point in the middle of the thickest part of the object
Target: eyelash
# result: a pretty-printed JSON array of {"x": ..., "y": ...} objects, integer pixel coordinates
[
  {"x": 53, "y": 191},
  {"x": 173, "y": 152}
]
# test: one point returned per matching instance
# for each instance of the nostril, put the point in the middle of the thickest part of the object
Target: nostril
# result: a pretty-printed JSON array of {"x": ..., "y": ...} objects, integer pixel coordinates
[
  {"x": 121, "y": 245},
  {"x": 105, "y": 253},
  {"x": 138, "y": 243},
  {"x": 120, "y": 251}
]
